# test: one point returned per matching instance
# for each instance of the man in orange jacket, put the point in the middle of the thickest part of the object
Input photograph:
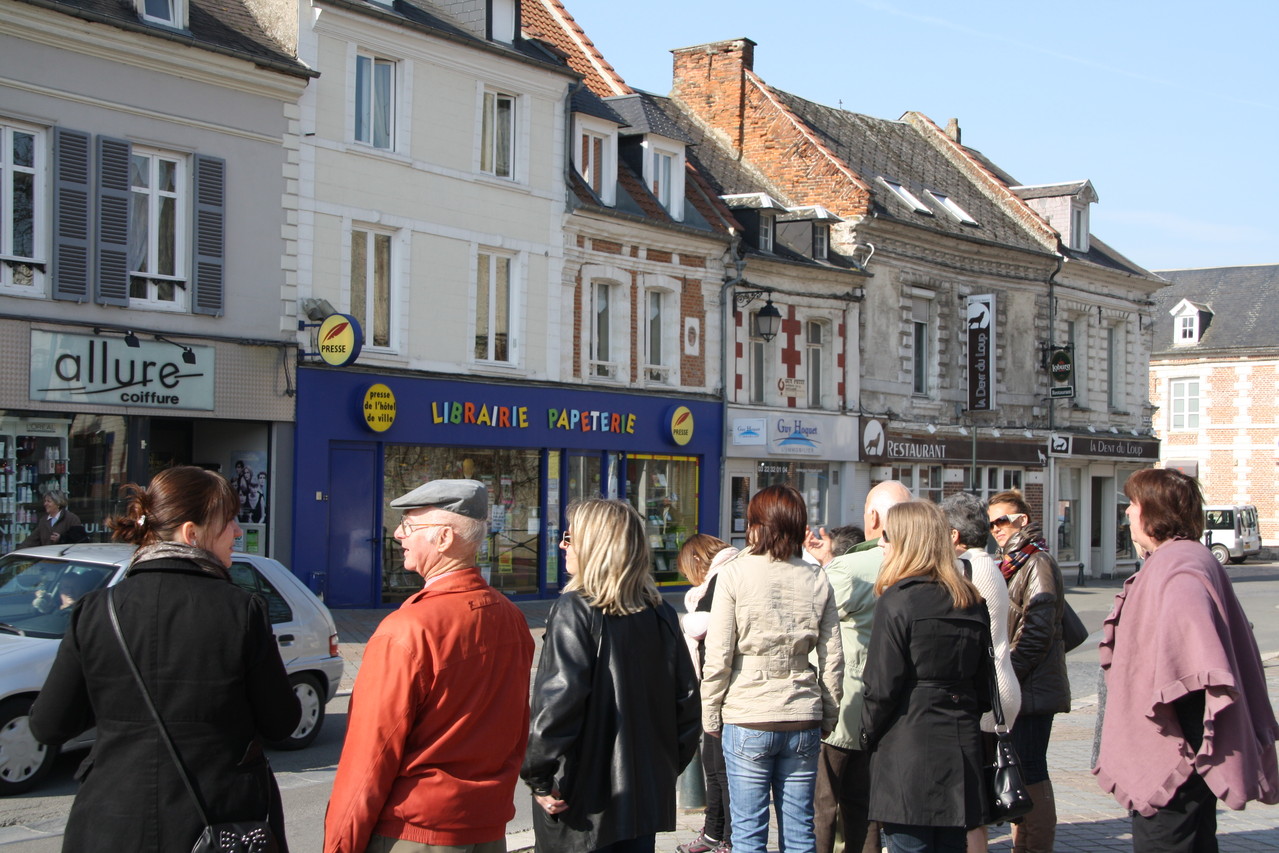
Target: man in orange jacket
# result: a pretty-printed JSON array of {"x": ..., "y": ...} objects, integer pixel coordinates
[{"x": 439, "y": 715}]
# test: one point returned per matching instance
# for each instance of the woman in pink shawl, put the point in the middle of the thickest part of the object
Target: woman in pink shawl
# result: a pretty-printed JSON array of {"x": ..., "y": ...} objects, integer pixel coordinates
[{"x": 1187, "y": 718}]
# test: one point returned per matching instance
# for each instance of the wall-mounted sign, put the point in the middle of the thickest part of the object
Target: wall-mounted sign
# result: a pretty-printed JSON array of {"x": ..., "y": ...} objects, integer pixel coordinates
[
  {"x": 749, "y": 431},
  {"x": 1061, "y": 367},
  {"x": 105, "y": 370},
  {"x": 795, "y": 435},
  {"x": 680, "y": 420},
  {"x": 340, "y": 339},
  {"x": 792, "y": 388},
  {"x": 882, "y": 446},
  {"x": 1104, "y": 446},
  {"x": 379, "y": 407},
  {"x": 981, "y": 353}
]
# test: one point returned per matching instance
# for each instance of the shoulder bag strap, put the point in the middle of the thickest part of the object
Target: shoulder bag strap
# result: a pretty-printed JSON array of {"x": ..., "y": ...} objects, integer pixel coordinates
[
  {"x": 146, "y": 694},
  {"x": 996, "y": 707}
]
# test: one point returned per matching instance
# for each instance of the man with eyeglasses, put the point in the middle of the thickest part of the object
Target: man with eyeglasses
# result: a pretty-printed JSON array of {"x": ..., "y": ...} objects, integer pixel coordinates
[{"x": 439, "y": 715}]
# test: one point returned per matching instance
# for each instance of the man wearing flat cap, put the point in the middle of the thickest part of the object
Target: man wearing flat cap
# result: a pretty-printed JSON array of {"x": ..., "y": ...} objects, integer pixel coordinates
[{"x": 439, "y": 715}]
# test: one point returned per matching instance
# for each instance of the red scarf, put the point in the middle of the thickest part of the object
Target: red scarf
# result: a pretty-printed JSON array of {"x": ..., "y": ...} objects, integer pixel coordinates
[{"x": 1009, "y": 565}]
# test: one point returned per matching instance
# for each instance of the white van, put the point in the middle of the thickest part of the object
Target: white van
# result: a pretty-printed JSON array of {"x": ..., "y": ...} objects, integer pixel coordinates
[{"x": 1232, "y": 532}]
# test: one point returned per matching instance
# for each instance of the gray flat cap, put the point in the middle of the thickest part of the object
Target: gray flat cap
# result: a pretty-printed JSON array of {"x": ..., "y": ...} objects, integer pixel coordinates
[{"x": 464, "y": 497}]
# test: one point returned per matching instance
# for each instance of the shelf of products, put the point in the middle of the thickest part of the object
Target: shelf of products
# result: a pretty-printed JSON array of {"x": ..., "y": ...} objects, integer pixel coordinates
[{"x": 33, "y": 460}]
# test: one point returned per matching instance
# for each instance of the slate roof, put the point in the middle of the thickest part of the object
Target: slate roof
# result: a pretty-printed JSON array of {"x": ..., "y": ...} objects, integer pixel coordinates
[
  {"x": 223, "y": 26},
  {"x": 588, "y": 103},
  {"x": 874, "y": 147},
  {"x": 1244, "y": 302},
  {"x": 1050, "y": 190},
  {"x": 643, "y": 116}
]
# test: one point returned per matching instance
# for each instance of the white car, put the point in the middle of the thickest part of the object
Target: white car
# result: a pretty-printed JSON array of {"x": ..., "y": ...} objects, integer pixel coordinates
[{"x": 37, "y": 587}]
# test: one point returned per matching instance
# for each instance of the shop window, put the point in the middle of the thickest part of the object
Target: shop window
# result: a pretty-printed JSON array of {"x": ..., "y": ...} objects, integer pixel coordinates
[
  {"x": 924, "y": 481},
  {"x": 664, "y": 489},
  {"x": 991, "y": 480},
  {"x": 810, "y": 479},
  {"x": 1124, "y": 547},
  {"x": 96, "y": 467},
  {"x": 494, "y": 310},
  {"x": 375, "y": 101},
  {"x": 371, "y": 267},
  {"x": 508, "y": 556},
  {"x": 1068, "y": 526},
  {"x": 23, "y": 232}
]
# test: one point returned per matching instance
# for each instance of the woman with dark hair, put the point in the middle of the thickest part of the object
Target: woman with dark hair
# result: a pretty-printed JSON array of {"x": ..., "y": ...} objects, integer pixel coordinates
[
  {"x": 614, "y": 716},
  {"x": 759, "y": 692},
  {"x": 1036, "y": 598},
  {"x": 207, "y": 656},
  {"x": 926, "y": 684},
  {"x": 1187, "y": 716}
]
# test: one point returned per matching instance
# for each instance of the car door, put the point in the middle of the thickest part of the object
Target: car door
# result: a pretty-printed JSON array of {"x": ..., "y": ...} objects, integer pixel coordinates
[{"x": 299, "y": 641}]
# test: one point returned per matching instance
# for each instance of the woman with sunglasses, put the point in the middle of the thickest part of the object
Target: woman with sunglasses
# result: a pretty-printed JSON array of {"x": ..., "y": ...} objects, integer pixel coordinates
[
  {"x": 615, "y": 706},
  {"x": 1036, "y": 597},
  {"x": 926, "y": 684}
]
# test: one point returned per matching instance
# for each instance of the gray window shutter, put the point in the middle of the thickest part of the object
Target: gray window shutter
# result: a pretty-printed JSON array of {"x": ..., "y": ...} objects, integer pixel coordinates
[
  {"x": 70, "y": 271},
  {"x": 111, "y": 250},
  {"x": 210, "y": 235}
]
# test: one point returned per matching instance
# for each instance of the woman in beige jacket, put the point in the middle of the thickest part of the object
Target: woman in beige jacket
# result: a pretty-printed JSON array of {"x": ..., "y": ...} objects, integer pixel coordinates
[{"x": 759, "y": 690}]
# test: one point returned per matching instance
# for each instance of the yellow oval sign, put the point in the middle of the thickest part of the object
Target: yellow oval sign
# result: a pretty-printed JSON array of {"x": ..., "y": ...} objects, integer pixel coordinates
[
  {"x": 340, "y": 339},
  {"x": 379, "y": 407},
  {"x": 681, "y": 425}
]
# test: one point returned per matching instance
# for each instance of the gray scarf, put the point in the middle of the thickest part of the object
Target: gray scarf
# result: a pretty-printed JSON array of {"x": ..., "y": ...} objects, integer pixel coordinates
[{"x": 177, "y": 551}]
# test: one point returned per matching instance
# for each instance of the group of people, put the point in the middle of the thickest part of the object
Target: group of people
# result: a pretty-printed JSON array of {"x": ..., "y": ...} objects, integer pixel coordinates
[{"x": 845, "y": 679}]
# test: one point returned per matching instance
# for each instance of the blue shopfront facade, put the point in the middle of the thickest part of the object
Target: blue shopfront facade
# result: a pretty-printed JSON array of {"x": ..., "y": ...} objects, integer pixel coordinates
[{"x": 364, "y": 438}]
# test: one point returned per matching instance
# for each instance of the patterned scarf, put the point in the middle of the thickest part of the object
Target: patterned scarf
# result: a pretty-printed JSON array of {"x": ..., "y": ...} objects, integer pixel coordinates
[
  {"x": 177, "y": 551},
  {"x": 1014, "y": 560}
]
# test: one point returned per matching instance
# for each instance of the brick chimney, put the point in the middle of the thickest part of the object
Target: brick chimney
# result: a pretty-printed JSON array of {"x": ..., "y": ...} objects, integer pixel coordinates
[
  {"x": 710, "y": 79},
  {"x": 952, "y": 130}
]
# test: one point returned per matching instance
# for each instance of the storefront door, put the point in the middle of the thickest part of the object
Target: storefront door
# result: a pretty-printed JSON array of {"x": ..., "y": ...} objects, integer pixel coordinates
[{"x": 354, "y": 539}]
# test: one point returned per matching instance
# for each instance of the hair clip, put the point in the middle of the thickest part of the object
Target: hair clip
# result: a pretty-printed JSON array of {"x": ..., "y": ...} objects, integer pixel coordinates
[{"x": 142, "y": 520}]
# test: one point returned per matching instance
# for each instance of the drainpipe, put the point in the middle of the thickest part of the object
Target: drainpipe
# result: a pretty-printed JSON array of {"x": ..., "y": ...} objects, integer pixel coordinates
[
  {"x": 1050, "y": 493},
  {"x": 728, "y": 337}
]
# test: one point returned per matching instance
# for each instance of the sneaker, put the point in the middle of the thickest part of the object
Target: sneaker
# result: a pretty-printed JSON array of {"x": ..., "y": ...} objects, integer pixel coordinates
[
  {"x": 722, "y": 847},
  {"x": 700, "y": 844}
]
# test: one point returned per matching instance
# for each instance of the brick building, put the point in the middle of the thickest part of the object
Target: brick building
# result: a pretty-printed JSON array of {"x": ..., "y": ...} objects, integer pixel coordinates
[{"x": 1214, "y": 379}]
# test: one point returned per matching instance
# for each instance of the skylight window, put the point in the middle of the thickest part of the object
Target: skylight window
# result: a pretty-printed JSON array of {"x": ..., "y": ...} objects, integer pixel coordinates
[
  {"x": 907, "y": 196},
  {"x": 953, "y": 209}
]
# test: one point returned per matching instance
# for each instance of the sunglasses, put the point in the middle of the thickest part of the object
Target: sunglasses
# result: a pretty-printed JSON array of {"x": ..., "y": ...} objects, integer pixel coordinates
[
  {"x": 1011, "y": 518},
  {"x": 566, "y": 540},
  {"x": 883, "y": 537}
]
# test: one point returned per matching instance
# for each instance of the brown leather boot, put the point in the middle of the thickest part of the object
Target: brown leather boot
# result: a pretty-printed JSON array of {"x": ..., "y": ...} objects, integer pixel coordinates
[{"x": 1037, "y": 830}]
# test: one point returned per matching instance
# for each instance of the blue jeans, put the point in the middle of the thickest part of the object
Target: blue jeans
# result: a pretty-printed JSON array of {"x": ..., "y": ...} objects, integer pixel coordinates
[
  {"x": 925, "y": 839},
  {"x": 780, "y": 765}
]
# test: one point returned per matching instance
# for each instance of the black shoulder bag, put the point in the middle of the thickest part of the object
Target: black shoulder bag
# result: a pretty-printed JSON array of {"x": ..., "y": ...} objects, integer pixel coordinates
[
  {"x": 1009, "y": 799},
  {"x": 245, "y": 836}
]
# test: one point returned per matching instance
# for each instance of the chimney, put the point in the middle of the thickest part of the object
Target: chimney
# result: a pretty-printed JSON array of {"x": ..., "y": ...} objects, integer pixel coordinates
[
  {"x": 953, "y": 131},
  {"x": 710, "y": 79}
]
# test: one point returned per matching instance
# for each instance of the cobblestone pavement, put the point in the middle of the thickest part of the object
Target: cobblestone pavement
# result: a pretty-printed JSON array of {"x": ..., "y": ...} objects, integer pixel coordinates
[{"x": 1088, "y": 820}]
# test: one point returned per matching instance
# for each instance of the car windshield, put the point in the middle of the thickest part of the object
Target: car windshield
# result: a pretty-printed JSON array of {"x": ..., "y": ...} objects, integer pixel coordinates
[{"x": 38, "y": 593}]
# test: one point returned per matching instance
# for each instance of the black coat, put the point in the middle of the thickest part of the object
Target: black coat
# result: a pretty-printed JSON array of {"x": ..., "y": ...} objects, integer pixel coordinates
[
  {"x": 926, "y": 684},
  {"x": 68, "y": 528},
  {"x": 616, "y": 717},
  {"x": 206, "y": 652},
  {"x": 1036, "y": 601}
]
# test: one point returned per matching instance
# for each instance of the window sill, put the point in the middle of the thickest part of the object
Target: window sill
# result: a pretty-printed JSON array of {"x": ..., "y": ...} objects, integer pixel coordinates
[
  {"x": 504, "y": 183},
  {"x": 499, "y": 368},
  {"x": 366, "y": 150}
]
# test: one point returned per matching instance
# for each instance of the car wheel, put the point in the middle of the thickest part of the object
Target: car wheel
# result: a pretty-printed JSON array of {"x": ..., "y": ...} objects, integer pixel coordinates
[
  {"x": 24, "y": 761},
  {"x": 1222, "y": 553},
  {"x": 311, "y": 695}
]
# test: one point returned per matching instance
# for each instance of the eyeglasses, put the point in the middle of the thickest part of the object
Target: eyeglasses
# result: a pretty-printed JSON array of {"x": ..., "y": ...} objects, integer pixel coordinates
[
  {"x": 566, "y": 540},
  {"x": 883, "y": 537},
  {"x": 1011, "y": 518},
  {"x": 410, "y": 528}
]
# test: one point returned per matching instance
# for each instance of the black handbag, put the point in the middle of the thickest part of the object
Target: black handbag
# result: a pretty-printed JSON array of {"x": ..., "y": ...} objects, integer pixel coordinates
[
  {"x": 1009, "y": 799},
  {"x": 1073, "y": 631},
  {"x": 245, "y": 836}
]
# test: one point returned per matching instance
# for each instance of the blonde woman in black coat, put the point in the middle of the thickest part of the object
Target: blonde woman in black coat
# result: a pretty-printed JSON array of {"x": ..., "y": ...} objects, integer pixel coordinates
[
  {"x": 926, "y": 682},
  {"x": 207, "y": 655}
]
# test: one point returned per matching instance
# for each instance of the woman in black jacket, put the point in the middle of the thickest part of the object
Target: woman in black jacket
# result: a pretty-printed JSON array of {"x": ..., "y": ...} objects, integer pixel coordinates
[
  {"x": 926, "y": 683},
  {"x": 207, "y": 655},
  {"x": 616, "y": 712}
]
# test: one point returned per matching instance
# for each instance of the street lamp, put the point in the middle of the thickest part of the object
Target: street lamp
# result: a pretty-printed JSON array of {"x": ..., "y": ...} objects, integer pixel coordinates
[{"x": 768, "y": 320}]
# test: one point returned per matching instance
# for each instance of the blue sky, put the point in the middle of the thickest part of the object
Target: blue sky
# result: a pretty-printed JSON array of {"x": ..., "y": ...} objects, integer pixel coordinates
[{"x": 1170, "y": 109}]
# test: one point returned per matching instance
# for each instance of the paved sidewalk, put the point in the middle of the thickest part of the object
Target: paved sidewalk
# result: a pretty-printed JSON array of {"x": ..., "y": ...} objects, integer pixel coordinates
[{"x": 1088, "y": 820}]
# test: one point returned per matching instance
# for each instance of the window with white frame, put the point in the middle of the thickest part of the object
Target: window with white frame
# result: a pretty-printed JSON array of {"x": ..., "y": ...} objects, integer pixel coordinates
[
  {"x": 158, "y": 202},
  {"x": 664, "y": 175},
  {"x": 821, "y": 241},
  {"x": 1183, "y": 399},
  {"x": 172, "y": 13},
  {"x": 497, "y": 135},
  {"x": 494, "y": 308},
  {"x": 22, "y": 222},
  {"x": 924, "y": 481},
  {"x": 906, "y": 196},
  {"x": 765, "y": 232},
  {"x": 605, "y": 352},
  {"x": 758, "y": 364},
  {"x": 1115, "y": 367},
  {"x": 1079, "y": 227},
  {"x": 595, "y": 157},
  {"x": 991, "y": 480},
  {"x": 1077, "y": 338},
  {"x": 815, "y": 333},
  {"x": 921, "y": 308},
  {"x": 371, "y": 270},
  {"x": 659, "y": 347},
  {"x": 1187, "y": 329},
  {"x": 375, "y": 101}
]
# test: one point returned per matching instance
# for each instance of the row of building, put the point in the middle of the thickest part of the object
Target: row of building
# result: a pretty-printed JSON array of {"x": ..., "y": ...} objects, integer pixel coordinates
[{"x": 564, "y": 287}]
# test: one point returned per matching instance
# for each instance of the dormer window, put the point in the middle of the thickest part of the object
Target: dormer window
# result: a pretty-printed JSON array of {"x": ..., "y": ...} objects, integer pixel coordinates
[
  {"x": 906, "y": 196},
  {"x": 821, "y": 241},
  {"x": 766, "y": 232},
  {"x": 1189, "y": 321},
  {"x": 502, "y": 16},
  {"x": 1079, "y": 226},
  {"x": 664, "y": 174},
  {"x": 595, "y": 156},
  {"x": 170, "y": 13}
]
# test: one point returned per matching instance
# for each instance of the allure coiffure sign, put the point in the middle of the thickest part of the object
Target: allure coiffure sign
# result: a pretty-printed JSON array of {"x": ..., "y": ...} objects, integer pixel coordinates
[
  {"x": 981, "y": 353},
  {"x": 104, "y": 369}
]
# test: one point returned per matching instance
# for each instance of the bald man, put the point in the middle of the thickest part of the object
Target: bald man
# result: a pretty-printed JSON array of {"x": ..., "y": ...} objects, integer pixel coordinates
[{"x": 843, "y": 777}]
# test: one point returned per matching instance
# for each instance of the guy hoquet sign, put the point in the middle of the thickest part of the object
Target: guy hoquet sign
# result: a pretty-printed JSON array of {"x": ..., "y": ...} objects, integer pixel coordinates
[{"x": 105, "y": 370}]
